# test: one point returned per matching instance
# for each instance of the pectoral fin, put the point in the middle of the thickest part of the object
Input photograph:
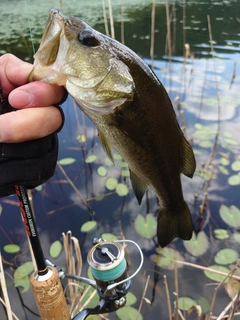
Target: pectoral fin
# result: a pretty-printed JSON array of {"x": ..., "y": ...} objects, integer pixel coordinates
[
  {"x": 189, "y": 162},
  {"x": 138, "y": 185},
  {"x": 105, "y": 145},
  {"x": 130, "y": 129}
]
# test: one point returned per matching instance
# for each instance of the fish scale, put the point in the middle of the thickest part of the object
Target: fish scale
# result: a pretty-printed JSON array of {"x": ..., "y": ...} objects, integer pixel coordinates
[{"x": 129, "y": 106}]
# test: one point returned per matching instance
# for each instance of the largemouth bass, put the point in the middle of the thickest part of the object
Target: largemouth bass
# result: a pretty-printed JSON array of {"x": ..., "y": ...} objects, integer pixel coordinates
[{"x": 129, "y": 106}]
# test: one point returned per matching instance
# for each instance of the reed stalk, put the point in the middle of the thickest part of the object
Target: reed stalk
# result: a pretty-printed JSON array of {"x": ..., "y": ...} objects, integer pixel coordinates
[
  {"x": 122, "y": 24},
  {"x": 4, "y": 291},
  {"x": 152, "y": 33},
  {"x": 111, "y": 19}
]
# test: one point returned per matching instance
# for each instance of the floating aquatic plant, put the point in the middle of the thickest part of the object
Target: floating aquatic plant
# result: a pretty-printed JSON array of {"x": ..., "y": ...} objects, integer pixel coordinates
[
  {"x": 230, "y": 215},
  {"x": 214, "y": 276},
  {"x": 221, "y": 234},
  {"x": 146, "y": 226},
  {"x": 66, "y": 161},
  {"x": 166, "y": 257},
  {"x": 88, "y": 226},
  {"x": 111, "y": 183},
  {"x": 21, "y": 276},
  {"x": 91, "y": 158},
  {"x": 55, "y": 249},
  {"x": 185, "y": 303},
  {"x": 122, "y": 189},
  {"x": 226, "y": 256},
  {"x": 198, "y": 245},
  {"x": 11, "y": 248},
  {"x": 102, "y": 171},
  {"x": 129, "y": 313}
]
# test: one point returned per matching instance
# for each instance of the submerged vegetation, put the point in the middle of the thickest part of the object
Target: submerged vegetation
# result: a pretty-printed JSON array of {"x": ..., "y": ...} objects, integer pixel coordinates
[{"x": 196, "y": 279}]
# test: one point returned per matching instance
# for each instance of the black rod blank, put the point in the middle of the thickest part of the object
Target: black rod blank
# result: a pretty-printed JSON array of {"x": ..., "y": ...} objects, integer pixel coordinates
[{"x": 30, "y": 225}]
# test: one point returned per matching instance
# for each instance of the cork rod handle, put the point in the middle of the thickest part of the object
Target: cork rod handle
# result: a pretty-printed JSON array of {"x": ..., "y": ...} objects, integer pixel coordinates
[{"x": 49, "y": 297}]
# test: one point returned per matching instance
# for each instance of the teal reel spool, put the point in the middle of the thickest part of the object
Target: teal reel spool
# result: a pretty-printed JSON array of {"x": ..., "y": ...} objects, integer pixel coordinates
[{"x": 107, "y": 262}]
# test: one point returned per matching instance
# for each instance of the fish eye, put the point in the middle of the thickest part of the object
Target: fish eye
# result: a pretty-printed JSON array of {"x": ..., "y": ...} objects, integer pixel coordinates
[{"x": 87, "y": 39}]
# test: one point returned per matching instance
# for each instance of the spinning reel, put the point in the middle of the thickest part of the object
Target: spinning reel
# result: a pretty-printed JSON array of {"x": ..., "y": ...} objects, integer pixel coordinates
[{"x": 111, "y": 281}]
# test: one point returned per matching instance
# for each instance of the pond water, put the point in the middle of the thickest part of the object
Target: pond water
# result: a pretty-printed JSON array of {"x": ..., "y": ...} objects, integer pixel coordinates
[{"x": 204, "y": 88}]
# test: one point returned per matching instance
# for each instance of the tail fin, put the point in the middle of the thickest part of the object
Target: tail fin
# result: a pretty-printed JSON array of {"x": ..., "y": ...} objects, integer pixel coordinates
[{"x": 172, "y": 225}]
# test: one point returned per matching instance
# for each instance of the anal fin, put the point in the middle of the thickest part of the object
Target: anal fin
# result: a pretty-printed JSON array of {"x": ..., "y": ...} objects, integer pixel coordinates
[{"x": 138, "y": 185}]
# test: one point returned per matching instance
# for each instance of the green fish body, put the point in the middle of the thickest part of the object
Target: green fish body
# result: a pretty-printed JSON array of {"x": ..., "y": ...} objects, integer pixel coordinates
[{"x": 129, "y": 106}]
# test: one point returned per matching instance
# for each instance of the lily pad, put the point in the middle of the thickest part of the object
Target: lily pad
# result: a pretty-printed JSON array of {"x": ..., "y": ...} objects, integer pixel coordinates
[
  {"x": 235, "y": 166},
  {"x": 226, "y": 256},
  {"x": 230, "y": 141},
  {"x": 128, "y": 313},
  {"x": 111, "y": 183},
  {"x": 223, "y": 170},
  {"x": 198, "y": 126},
  {"x": 185, "y": 303},
  {"x": 125, "y": 173},
  {"x": 88, "y": 226},
  {"x": 122, "y": 164},
  {"x": 221, "y": 234},
  {"x": 24, "y": 270},
  {"x": 11, "y": 248},
  {"x": 55, "y": 249},
  {"x": 122, "y": 189},
  {"x": 227, "y": 134},
  {"x": 81, "y": 138},
  {"x": 230, "y": 215},
  {"x": 108, "y": 162},
  {"x": 117, "y": 156},
  {"x": 146, "y": 227},
  {"x": 224, "y": 161},
  {"x": 214, "y": 276},
  {"x": 99, "y": 197},
  {"x": 236, "y": 236},
  {"x": 131, "y": 299},
  {"x": 234, "y": 180},
  {"x": 204, "y": 304},
  {"x": 198, "y": 245},
  {"x": 206, "y": 144},
  {"x": 23, "y": 282},
  {"x": 102, "y": 171},
  {"x": 66, "y": 161},
  {"x": 166, "y": 257},
  {"x": 91, "y": 158},
  {"x": 93, "y": 301},
  {"x": 204, "y": 173},
  {"x": 109, "y": 236}
]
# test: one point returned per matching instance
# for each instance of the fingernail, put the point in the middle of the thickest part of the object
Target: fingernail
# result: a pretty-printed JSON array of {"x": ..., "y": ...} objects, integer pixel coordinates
[{"x": 20, "y": 98}]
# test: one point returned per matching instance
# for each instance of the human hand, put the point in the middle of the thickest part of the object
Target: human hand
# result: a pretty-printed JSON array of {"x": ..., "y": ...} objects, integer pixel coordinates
[{"x": 36, "y": 117}]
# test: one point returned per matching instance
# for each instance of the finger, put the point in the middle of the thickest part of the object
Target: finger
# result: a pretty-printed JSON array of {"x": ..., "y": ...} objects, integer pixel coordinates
[
  {"x": 21, "y": 125},
  {"x": 36, "y": 94},
  {"x": 13, "y": 72}
]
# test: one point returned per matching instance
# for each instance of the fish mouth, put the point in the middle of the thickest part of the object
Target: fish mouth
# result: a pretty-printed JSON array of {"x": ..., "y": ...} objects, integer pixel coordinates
[{"x": 49, "y": 46}]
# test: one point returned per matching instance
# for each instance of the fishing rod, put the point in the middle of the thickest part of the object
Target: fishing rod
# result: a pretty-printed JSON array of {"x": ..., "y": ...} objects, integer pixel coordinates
[
  {"x": 108, "y": 267},
  {"x": 46, "y": 285},
  {"x": 107, "y": 263}
]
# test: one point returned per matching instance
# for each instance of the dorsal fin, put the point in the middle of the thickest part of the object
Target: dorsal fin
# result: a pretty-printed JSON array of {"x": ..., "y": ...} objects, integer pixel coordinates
[
  {"x": 189, "y": 162},
  {"x": 138, "y": 185},
  {"x": 105, "y": 145}
]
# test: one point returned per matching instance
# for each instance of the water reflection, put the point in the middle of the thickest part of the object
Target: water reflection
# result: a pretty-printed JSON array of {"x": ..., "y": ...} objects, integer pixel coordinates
[{"x": 201, "y": 84}]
